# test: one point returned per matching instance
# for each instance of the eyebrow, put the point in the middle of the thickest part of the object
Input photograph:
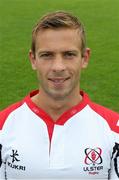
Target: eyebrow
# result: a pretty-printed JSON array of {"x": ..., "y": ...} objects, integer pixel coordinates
[
  {"x": 50, "y": 51},
  {"x": 72, "y": 51},
  {"x": 40, "y": 52}
]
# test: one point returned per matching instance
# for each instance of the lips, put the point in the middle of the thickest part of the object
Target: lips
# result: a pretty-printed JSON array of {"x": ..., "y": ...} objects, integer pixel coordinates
[{"x": 58, "y": 80}]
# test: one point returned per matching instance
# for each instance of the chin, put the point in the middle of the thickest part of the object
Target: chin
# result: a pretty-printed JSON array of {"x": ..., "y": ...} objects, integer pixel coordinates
[{"x": 59, "y": 95}]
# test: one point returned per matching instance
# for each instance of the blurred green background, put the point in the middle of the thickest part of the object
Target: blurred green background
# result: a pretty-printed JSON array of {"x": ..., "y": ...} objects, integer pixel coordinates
[{"x": 101, "y": 20}]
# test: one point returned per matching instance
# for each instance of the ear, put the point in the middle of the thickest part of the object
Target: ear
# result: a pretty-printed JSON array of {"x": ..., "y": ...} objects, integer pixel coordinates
[
  {"x": 86, "y": 57},
  {"x": 32, "y": 59}
]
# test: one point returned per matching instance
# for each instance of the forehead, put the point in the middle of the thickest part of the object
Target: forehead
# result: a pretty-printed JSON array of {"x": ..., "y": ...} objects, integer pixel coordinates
[{"x": 58, "y": 38}]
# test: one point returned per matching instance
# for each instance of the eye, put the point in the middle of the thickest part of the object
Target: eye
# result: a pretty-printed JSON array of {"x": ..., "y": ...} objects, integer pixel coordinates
[
  {"x": 69, "y": 54},
  {"x": 45, "y": 55}
]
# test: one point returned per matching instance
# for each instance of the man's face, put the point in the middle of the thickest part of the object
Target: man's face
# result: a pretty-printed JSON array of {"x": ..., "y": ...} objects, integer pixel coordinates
[{"x": 58, "y": 62}]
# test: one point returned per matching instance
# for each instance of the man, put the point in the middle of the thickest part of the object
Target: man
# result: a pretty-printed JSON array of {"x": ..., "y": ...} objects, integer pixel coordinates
[{"x": 57, "y": 132}]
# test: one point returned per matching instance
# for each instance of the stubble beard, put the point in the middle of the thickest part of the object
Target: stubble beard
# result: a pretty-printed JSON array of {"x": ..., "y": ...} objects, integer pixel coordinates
[{"x": 60, "y": 94}]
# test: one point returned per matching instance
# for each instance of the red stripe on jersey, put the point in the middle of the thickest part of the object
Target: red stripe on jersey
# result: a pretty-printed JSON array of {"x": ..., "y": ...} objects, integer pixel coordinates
[
  {"x": 64, "y": 117},
  {"x": 110, "y": 116}
]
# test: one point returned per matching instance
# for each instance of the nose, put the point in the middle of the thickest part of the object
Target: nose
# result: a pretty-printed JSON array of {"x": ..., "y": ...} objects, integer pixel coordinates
[{"x": 58, "y": 64}]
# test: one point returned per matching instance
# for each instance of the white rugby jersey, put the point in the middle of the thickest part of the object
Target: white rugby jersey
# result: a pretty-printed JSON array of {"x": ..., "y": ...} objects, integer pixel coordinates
[{"x": 83, "y": 143}]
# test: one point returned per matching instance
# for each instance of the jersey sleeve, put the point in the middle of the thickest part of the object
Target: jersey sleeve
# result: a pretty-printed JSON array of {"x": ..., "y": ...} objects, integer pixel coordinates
[
  {"x": 114, "y": 174},
  {"x": 3, "y": 117},
  {"x": 112, "y": 119},
  {"x": 0, "y": 152},
  {"x": 1, "y": 163}
]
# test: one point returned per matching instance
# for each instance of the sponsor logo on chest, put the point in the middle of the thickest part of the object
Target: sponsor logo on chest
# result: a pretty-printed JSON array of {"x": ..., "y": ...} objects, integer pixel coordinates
[
  {"x": 93, "y": 161},
  {"x": 14, "y": 161}
]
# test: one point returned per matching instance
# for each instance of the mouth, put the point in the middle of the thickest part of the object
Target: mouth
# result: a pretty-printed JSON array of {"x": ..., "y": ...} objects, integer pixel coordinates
[{"x": 58, "y": 81}]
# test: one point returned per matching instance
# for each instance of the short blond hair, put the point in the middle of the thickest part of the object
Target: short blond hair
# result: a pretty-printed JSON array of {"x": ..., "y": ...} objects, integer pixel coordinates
[{"x": 58, "y": 20}]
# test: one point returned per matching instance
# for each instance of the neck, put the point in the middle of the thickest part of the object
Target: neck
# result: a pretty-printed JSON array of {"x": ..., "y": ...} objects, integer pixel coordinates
[{"x": 55, "y": 108}]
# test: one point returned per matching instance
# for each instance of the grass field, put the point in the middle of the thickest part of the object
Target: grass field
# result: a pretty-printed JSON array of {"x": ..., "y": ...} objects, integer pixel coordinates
[{"x": 101, "y": 20}]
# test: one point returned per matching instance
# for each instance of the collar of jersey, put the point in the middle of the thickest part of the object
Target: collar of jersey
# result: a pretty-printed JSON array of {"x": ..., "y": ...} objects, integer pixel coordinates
[{"x": 64, "y": 117}]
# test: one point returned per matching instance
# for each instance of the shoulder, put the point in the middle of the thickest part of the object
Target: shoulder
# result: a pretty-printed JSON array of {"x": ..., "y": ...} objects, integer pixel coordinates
[
  {"x": 6, "y": 112},
  {"x": 108, "y": 115}
]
